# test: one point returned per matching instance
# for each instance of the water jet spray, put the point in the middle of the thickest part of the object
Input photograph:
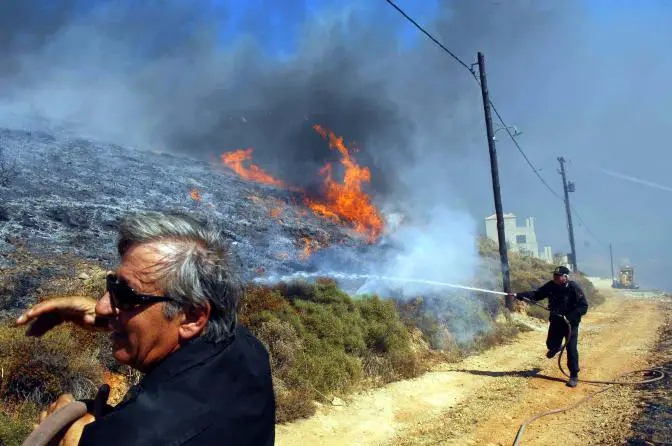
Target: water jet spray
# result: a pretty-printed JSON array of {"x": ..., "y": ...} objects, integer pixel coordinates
[{"x": 353, "y": 276}]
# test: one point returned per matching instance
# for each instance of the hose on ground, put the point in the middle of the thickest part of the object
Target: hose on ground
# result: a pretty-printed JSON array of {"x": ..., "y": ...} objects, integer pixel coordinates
[{"x": 657, "y": 371}]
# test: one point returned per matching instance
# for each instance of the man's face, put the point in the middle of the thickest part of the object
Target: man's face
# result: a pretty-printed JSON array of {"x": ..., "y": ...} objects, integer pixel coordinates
[
  {"x": 142, "y": 336},
  {"x": 560, "y": 279}
]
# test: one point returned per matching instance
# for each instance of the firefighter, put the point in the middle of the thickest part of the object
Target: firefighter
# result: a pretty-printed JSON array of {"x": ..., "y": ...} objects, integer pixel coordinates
[{"x": 565, "y": 300}]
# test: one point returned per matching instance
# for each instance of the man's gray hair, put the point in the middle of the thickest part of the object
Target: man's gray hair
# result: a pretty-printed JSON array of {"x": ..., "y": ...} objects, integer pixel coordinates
[{"x": 200, "y": 269}]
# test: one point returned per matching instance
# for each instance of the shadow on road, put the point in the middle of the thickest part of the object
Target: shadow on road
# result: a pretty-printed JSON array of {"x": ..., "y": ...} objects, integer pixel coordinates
[{"x": 532, "y": 373}]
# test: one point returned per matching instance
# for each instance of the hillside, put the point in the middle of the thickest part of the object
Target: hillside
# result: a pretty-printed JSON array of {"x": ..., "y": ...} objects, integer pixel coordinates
[
  {"x": 67, "y": 193},
  {"x": 58, "y": 219}
]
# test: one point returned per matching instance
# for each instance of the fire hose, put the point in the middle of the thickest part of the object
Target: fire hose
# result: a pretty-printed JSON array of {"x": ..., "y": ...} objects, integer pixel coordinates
[
  {"x": 653, "y": 371},
  {"x": 59, "y": 421}
]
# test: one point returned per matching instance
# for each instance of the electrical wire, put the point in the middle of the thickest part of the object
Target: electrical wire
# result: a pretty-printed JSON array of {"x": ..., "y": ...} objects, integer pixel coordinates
[
  {"x": 432, "y": 38},
  {"x": 494, "y": 109},
  {"x": 585, "y": 226},
  {"x": 475, "y": 76},
  {"x": 522, "y": 152}
]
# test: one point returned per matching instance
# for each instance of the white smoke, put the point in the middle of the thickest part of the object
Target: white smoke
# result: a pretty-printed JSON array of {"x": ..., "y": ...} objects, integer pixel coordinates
[{"x": 440, "y": 249}]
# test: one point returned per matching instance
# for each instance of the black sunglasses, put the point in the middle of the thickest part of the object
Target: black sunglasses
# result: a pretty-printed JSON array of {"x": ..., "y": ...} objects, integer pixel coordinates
[{"x": 126, "y": 298}]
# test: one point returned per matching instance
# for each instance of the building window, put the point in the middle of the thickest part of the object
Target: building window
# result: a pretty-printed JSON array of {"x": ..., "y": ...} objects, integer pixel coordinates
[{"x": 521, "y": 239}]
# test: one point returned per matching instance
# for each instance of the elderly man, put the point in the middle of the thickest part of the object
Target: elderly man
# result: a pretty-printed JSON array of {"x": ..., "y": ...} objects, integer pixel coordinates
[
  {"x": 170, "y": 307},
  {"x": 565, "y": 300}
]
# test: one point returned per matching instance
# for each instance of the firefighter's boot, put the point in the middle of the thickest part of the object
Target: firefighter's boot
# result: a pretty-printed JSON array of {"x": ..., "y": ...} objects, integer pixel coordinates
[{"x": 552, "y": 353}]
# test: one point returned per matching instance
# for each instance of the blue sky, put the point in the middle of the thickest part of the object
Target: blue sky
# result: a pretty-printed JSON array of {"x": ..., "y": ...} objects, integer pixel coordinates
[
  {"x": 281, "y": 20},
  {"x": 277, "y": 23}
]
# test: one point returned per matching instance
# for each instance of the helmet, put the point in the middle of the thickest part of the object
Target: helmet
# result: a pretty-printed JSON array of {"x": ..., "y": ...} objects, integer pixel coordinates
[{"x": 561, "y": 271}]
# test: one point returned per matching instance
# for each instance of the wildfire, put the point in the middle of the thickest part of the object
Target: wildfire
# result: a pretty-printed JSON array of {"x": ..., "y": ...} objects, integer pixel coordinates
[
  {"x": 254, "y": 198},
  {"x": 234, "y": 161},
  {"x": 196, "y": 195},
  {"x": 309, "y": 247},
  {"x": 343, "y": 202},
  {"x": 346, "y": 200}
]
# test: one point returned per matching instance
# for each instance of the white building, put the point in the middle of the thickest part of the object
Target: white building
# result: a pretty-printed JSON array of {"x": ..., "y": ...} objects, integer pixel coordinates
[
  {"x": 521, "y": 239},
  {"x": 563, "y": 259}
]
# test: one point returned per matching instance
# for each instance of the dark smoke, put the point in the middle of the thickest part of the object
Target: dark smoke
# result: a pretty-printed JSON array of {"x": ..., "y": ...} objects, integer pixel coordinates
[{"x": 157, "y": 75}]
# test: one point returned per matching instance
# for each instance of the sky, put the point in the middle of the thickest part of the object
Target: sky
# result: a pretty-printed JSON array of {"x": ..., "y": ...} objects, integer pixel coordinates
[{"x": 582, "y": 79}]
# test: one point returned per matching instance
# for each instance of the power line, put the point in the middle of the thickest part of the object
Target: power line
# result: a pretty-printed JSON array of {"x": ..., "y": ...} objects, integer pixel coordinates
[
  {"x": 499, "y": 116},
  {"x": 585, "y": 226},
  {"x": 475, "y": 76},
  {"x": 522, "y": 152},
  {"x": 422, "y": 30}
]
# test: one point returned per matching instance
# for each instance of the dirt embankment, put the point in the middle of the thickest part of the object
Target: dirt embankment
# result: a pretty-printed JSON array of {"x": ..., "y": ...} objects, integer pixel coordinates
[
  {"x": 653, "y": 425},
  {"x": 483, "y": 399}
]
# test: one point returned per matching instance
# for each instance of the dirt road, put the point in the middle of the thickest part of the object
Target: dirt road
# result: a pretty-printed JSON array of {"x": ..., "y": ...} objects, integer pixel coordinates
[{"x": 483, "y": 399}]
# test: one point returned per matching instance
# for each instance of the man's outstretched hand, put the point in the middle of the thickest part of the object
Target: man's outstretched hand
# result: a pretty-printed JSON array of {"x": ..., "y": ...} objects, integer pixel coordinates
[{"x": 52, "y": 312}]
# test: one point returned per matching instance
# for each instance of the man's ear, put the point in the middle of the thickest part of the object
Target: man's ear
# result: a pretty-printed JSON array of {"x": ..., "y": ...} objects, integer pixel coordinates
[{"x": 193, "y": 322}]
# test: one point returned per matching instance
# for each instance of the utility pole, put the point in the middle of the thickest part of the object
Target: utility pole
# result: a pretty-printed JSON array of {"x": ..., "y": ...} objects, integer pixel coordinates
[
  {"x": 503, "y": 255},
  {"x": 611, "y": 255},
  {"x": 568, "y": 187}
]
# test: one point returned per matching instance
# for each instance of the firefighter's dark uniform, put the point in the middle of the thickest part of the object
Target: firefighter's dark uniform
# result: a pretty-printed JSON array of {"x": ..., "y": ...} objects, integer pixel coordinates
[{"x": 567, "y": 300}]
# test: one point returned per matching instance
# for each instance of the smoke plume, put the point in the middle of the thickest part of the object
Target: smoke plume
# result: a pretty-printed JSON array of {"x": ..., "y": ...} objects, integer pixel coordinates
[{"x": 158, "y": 75}]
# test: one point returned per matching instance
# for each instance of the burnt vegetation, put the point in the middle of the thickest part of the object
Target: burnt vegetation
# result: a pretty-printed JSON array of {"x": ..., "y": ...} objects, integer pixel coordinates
[{"x": 8, "y": 168}]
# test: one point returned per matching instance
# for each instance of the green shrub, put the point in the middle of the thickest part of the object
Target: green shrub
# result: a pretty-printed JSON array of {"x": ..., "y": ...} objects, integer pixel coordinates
[
  {"x": 35, "y": 371},
  {"x": 325, "y": 368},
  {"x": 536, "y": 312},
  {"x": 16, "y": 423},
  {"x": 294, "y": 405},
  {"x": 500, "y": 334},
  {"x": 40, "y": 369},
  {"x": 323, "y": 342}
]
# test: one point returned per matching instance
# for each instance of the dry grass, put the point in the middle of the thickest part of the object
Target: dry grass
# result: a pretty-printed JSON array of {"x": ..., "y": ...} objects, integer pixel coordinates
[
  {"x": 35, "y": 371},
  {"x": 40, "y": 369},
  {"x": 16, "y": 422}
]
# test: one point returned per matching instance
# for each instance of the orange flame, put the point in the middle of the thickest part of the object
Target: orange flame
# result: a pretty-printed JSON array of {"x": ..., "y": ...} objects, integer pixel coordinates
[
  {"x": 343, "y": 203},
  {"x": 276, "y": 212},
  {"x": 346, "y": 200},
  {"x": 195, "y": 195},
  {"x": 234, "y": 161},
  {"x": 310, "y": 246}
]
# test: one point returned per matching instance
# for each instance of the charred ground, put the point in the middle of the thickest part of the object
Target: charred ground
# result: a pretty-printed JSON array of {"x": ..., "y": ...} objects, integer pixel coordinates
[{"x": 67, "y": 194}]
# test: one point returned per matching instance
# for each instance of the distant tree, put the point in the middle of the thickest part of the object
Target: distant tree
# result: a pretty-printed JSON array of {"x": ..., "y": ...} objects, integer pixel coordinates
[{"x": 8, "y": 169}]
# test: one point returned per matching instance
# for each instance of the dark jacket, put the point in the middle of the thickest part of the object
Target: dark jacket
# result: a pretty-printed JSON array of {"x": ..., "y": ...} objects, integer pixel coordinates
[
  {"x": 203, "y": 394},
  {"x": 568, "y": 299}
]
